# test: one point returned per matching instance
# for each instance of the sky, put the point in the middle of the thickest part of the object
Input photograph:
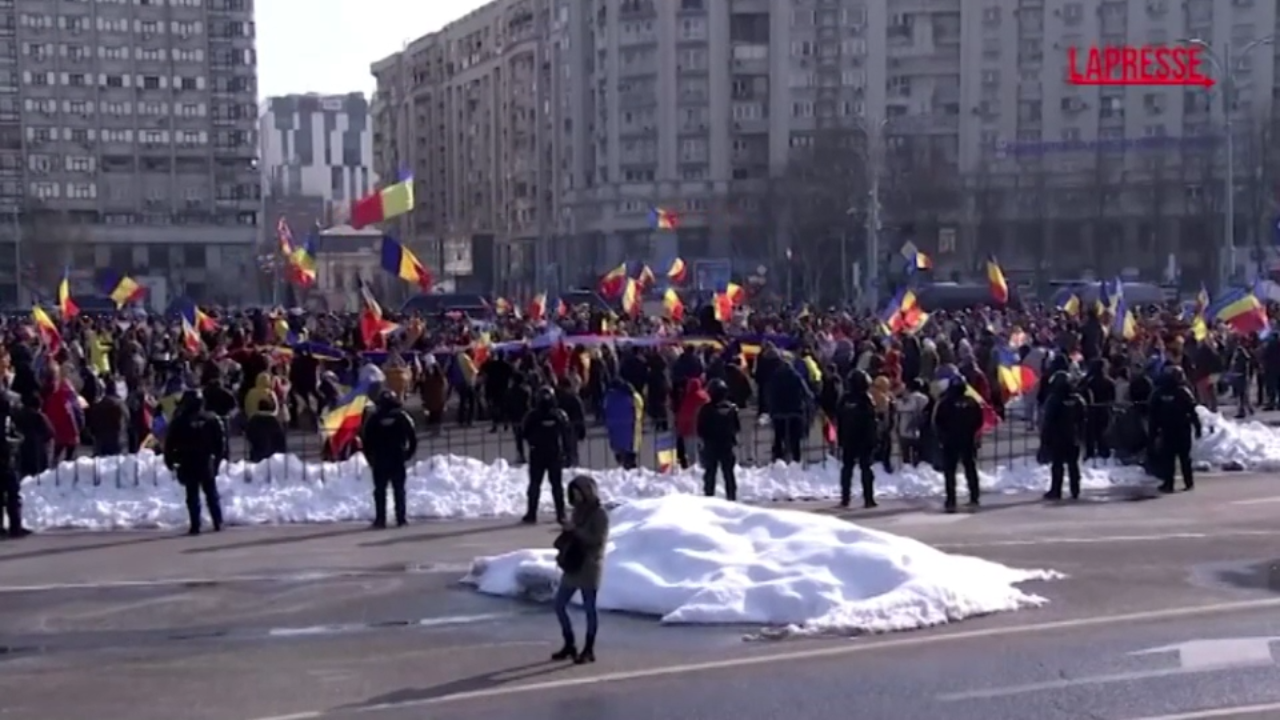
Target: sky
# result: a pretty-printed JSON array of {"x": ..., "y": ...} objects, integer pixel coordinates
[{"x": 326, "y": 46}]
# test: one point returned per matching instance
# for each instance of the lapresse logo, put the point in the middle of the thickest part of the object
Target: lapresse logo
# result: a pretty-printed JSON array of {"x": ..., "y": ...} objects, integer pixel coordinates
[{"x": 1138, "y": 65}]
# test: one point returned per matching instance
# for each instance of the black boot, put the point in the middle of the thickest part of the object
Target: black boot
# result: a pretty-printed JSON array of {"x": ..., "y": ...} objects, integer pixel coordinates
[
  {"x": 588, "y": 654},
  {"x": 568, "y": 652}
]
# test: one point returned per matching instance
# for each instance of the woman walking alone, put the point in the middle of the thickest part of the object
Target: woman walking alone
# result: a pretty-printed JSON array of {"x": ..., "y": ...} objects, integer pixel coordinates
[{"x": 581, "y": 548}]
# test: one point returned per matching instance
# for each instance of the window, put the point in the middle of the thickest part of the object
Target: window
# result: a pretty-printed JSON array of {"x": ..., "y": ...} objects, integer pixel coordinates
[
  {"x": 153, "y": 109},
  {"x": 77, "y": 52},
  {"x": 45, "y": 190},
  {"x": 148, "y": 27},
  {"x": 84, "y": 135},
  {"x": 187, "y": 3},
  {"x": 73, "y": 23},
  {"x": 190, "y": 110},
  {"x": 113, "y": 53},
  {"x": 36, "y": 22},
  {"x": 79, "y": 163},
  {"x": 190, "y": 138},
  {"x": 118, "y": 25},
  {"x": 117, "y": 108},
  {"x": 121, "y": 136},
  {"x": 152, "y": 137},
  {"x": 180, "y": 55},
  {"x": 991, "y": 16},
  {"x": 79, "y": 107},
  {"x": 41, "y": 106},
  {"x": 115, "y": 81},
  {"x": 151, "y": 82},
  {"x": 187, "y": 29},
  {"x": 39, "y": 163},
  {"x": 190, "y": 83},
  {"x": 39, "y": 79},
  {"x": 82, "y": 191},
  {"x": 37, "y": 51},
  {"x": 76, "y": 79},
  {"x": 151, "y": 54}
]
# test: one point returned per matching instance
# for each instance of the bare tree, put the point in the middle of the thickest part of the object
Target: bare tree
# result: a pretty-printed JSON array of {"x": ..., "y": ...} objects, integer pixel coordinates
[
  {"x": 821, "y": 183},
  {"x": 922, "y": 193}
]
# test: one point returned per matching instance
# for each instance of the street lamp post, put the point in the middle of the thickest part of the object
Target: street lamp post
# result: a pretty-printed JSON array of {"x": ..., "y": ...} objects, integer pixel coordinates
[
  {"x": 874, "y": 147},
  {"x": 1224, "y": 65}
]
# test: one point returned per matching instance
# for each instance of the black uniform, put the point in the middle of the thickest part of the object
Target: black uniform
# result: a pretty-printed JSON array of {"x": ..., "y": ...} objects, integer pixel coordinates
[
  {"x": 389, "y": 441},
  {"x": 10, "y": 483},
  {"x": 1173, "y": 418},
  {"x": 718, "y": 428},
  {"x": 1064, "y": 424},
  {"x": 957, "y": 420},
  {"x": 194, "y": 445},
  {"x": 1101, "y": 398},
  {"x": 547, "y": 430},
  {"x": 856, "y": 427}
]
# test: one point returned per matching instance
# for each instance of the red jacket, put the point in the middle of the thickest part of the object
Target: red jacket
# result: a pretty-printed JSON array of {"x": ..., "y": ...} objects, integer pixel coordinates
[
  {"x": 61, "y": 409},
  {"x": 687, "y": 414}
]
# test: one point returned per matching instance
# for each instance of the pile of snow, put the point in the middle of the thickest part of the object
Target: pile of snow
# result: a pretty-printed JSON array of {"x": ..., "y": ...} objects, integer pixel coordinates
[
  {"x": 697, "y": 560},
  {"x": 137, "y": 491}
]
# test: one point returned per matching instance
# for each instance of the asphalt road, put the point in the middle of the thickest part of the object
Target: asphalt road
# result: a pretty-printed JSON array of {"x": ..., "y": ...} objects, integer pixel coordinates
[{"x": 329, "y": 622}]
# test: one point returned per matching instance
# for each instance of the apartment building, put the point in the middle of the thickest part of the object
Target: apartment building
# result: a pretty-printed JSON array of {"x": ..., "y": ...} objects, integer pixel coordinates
[
  {"x": 957, "y": 114},
  {"x": 316, "y": 146},
  {"x": 127, "y": 139}
]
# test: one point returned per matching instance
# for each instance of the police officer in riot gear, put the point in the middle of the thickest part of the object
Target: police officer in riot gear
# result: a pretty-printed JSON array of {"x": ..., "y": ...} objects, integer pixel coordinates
[
  {"x": 1064, "y": 425},
  {"x": 547, "y": 431},
  {"x": 856, "y": 426},
  {"x": 389, "y": 441},
  {"x": 194, "y": 446},
  {"x": 957, "y": 420},
  {"x": 718, "y": 428},
  {"x": 10, "y": 483},
  {"x": 1173, "y": 419}
]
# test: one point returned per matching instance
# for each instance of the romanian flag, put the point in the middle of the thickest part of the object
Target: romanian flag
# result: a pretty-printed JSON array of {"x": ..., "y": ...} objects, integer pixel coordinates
[
  {"x": 613, "y": 282},
  {"x": 300, "y": 263},
  {"x": 646, "y": 278},
  {"x": 372, "y": 324},
  {"x": 723, "y": 307},
  {"x": 1241, "y": 310},
  {"x": 1015, "y": 378},
  {"x": 401, "y": 262},
  {"x": 903, "y": 314},
  {"x": 341, "y": 425},
  {"x": 631, "y": 298},
  {"x": 995, "y": 279},
  {"x": 672, "y": 304},
  {"x": 48, "y": 331},
  {"x": 1199, "y": 328},
  {"x": 1202, "y": 299},
  {"x": 391, "y": 201},
  {"x": 204, "y": 321},
  {"x": 735, "y": 293},
  {"x": 665, "y": 445},
  {"x": 917, "y": 261},
  {"x": 678, "y": 272},
  {"x": 122, "y": 289},
  {"x": 1124, "y": 324},
  {"x": 1071, "y": 306},
  {"x": 662, "y": 219},
  {"x": 66, "y": 306},
  {"x": 502, "y": 306},
  {"x": 538, "y": 308},
  {"x": 190, "y": 336}
]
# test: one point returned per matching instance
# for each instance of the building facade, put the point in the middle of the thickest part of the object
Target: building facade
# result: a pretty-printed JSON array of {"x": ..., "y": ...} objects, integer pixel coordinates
[
  {"x": 315, "y": 145},
  {"x": 780, "y": 132},
  {"x": 128, "y": 140}
]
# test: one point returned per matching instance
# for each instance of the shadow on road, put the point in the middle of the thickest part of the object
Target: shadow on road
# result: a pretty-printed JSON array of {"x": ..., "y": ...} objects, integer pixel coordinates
[
  {"x": 440, "y": 534},
  {"x": 63, "y": 550},
  {"x": 475, "y": 683},
  {"x": 274, "y": 541}
]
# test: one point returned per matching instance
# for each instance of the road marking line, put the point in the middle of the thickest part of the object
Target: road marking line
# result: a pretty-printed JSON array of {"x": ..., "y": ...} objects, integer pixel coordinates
[
  {"x": 1257, "y": 501},
  {"x": 835, "y": 651},
  {"x": 1011, "y": 690},
  {"x": 1031, "y": 542},
  {"x": 1218, "y": 712}
]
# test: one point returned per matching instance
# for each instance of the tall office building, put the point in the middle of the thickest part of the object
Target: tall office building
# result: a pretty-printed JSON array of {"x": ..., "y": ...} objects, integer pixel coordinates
[
  {"x": 128, "y": 140},
  {"x": 790, "y": 129},
  {"x": 316, "y": 146}
]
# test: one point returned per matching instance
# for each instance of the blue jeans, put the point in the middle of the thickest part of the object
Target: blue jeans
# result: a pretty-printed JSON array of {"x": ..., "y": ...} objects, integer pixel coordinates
[{"x": 563, "y": 595}]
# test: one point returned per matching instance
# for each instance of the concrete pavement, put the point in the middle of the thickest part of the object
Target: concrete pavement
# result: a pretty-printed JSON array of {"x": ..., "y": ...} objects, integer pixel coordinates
[{"x": 340, "y": 622}]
